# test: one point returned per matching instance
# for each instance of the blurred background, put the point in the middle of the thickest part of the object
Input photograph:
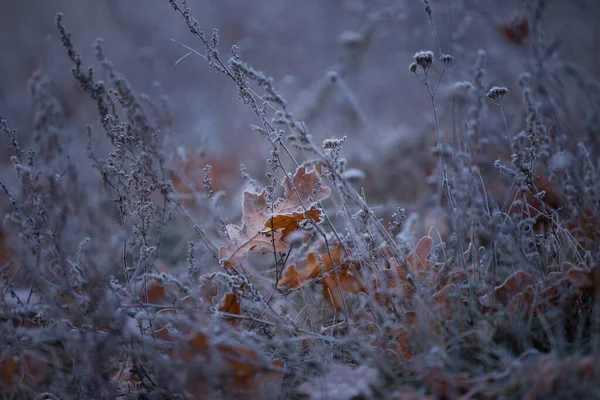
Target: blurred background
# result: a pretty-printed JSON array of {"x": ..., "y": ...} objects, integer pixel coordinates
[{"x": 382, "y": 108}]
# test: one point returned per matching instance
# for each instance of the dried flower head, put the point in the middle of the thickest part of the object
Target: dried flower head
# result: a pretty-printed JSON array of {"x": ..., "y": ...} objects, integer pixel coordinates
[
  {"x": 447, "y": 58},
  {"x": 424, "y": 58},
  {"x": 497, "y": 93}
]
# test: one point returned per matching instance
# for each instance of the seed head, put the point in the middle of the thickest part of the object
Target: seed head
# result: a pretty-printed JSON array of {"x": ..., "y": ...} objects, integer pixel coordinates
[
  {"x": 424, "y": 58},
  {"x": 447, "y": 58},
  {"x": 497, "y": 93}
]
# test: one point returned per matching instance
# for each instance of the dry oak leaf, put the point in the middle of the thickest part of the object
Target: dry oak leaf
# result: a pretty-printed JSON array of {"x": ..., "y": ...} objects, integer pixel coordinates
[
  {"x": 298, "y": 203},
  {"x": 399, "y": 340},
  {"x": 291, "y": 278},
  {"x": 265, "y": 228},
  {"x": 231, "y": 304},
  {"x": 308, "y": 189},
  {"x": 586, "y": 281},
  {"x": 420, "y": 268},
  {"x": 315, "y": 266},
  {"x": 350, "y": 281},
  {"x": 241, "y": 369},
  {"x": 250, "y": 236},
  {"x": 445, "y": 300},
  {"x": 124, "y": 377},
  {"x": 514, "y": 286},
  {"x": 154, "y": 293},
  {"x": 348, "y": 276},
  {"x": 288, "y": 223}
]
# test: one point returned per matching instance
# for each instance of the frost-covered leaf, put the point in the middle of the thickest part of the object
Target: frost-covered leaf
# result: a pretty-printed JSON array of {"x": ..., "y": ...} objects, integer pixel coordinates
[
  {"x": 264, "y": 226},
  {"x": 288, "y": 223},
  {"x": 420, "y": 267},
  {"x": 251, "y": 235},
  {"x": 308, "y": 189}
]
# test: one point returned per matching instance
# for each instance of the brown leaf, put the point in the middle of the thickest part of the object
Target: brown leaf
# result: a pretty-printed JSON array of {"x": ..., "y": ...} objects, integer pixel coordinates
[
  {"x": 28, "y": 369},
  {"x": 514, "y": 285},
  {"x": 5, "y": 252},
  {"x": 348, "y": 283},
  {"x": 268, "y": 383},
  {"x": 444, "y": 301},
  {"x": 399, "y": 340},
  {"x": 308, "y": 187},
  {"x": 124, "y": 377},
  {"x": 587, "y": 281},
  {"x": 546, "y": 376},
  {"x": 516, "y": 30},
  {"x": 584, "y": 228},
  {"x": 291, "y": 279},
  {"x": 418, "y": 258},
  {"x": 250, "y": 236},
  {"x": 315, "y": 265},
  {"x": 263, "y": 229},
  {"x": 154, "y": 293},
  {"x": 241, "y": 370},
  {"x": 231, "y": 305},
  {"x": 10, "y": 370},
  {"x": 421, "y": 267},
  {"x": 288, "y": 223}
]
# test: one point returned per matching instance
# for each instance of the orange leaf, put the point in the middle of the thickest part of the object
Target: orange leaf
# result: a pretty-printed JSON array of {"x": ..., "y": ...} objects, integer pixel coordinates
[
  {"x": 154, "y": 293},
  {"x": 250, "y": 236},
  {"x": 286, "y": 214},
  {"x": 231, "y": 305},
  {"x": 291, "y": 279},
  {"x": 348, "y": 283},
  {"x": 320, "y": 264},
  {"x": 290, "y": 222}
]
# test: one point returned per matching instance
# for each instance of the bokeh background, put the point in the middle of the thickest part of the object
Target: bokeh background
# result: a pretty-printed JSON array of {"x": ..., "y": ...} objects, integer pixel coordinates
[{"x": 382, "y": 108}]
